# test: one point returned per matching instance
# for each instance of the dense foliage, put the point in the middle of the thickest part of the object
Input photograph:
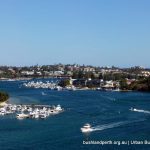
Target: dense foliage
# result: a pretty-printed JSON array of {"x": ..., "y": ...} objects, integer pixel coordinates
[
  {"x": 124, "y": 85},
  {"x": 64, "y": 83},
  {"x": 137, "y": 85},
  {"x": 141, "y": 85},
  {"x": 3, "y": 96}
]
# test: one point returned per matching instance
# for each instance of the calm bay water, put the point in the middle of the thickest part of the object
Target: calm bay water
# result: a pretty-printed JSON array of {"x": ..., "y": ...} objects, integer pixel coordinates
[{"x": 62, "y": 131}]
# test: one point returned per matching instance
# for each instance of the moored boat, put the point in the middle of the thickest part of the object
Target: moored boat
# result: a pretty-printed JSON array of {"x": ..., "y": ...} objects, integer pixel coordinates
[{"x": 22, "y": 116}]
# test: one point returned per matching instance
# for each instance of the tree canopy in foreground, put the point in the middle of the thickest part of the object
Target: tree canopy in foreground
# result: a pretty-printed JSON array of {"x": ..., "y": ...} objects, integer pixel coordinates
[{"x": 3, "y": 96}]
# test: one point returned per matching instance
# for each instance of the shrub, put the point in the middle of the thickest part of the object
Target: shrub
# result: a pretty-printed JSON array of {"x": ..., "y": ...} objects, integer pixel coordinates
[{"x": 3, "y": 96}]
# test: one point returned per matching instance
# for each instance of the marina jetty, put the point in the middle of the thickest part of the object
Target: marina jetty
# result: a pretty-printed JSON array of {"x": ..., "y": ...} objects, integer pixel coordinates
[
  {"x": 30, "y": 111},
  {"x": 74, "y": 84},
  {"x": 40, "y": 84},
  {"x": 48, "y": 85}
]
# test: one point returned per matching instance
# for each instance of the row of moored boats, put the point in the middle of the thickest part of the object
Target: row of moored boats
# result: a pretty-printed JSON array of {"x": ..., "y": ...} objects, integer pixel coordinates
[
  {"x": 30, "y": 111},
  {"x": 48, "y": 85}
]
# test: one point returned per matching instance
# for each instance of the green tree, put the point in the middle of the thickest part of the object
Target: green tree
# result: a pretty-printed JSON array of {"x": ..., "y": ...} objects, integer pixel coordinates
[
  {"x": 3, "y": 96},
  {"x": 92, "y": 75},
  {"x": 123, "y": 84},
  {"x": 80, "y": 75},
  {"x": 64, "y": 82},
  {"x": 75, "y": 75}
]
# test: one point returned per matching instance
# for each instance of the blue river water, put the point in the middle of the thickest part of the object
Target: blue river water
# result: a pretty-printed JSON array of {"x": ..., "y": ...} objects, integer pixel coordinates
[{"x": 62, "y": 132}]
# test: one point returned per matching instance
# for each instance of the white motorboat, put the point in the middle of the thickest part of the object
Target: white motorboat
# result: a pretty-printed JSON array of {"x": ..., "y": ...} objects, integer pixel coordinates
[
  {"x": 86, "y": 128},
  {"x": 36, "y": 116},
  {"x": 72, "y": 88},
  {"x": 2, "y": 113},
  {"x": 43, "y": 116},
  {"x": 99, "y": 89},
  {"x": 58, "y": 88},
  {"x": 133, "y": 109},
  {"x": 117, "y": 90},
  {"x": 22, "y": 116},
  {"x": 58, "y": 108}
]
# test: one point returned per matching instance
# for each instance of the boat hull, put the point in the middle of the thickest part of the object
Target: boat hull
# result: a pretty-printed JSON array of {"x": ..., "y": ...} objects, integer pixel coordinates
[{"x": 86, "y": 130}]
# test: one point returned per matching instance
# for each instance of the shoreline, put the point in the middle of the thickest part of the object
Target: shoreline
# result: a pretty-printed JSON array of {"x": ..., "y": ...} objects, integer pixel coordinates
[
  {"x": 2, "y": 104},
  {"x": 14, "y": 79},
  {"x": 78, "y": 88}
]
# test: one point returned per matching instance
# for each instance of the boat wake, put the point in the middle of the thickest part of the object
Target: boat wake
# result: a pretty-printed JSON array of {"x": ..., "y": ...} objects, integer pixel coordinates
[
  {"x": 43, "y": 93},
  {"x": 112, "y": 125},
  {"x": 108, "y": 97},
  {"x": 140, "y": 110}
]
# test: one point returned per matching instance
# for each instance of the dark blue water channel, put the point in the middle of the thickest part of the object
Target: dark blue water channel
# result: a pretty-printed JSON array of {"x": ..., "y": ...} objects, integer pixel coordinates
[{"x": 62, "y": 131}]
